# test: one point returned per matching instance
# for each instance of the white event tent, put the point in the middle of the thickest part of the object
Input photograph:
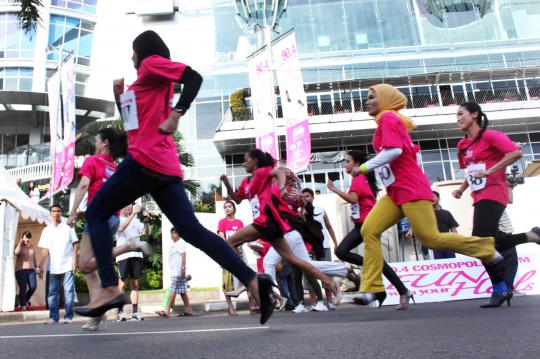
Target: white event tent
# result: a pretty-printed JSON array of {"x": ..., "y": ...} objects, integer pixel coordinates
[{"x": 14, "y": 203}]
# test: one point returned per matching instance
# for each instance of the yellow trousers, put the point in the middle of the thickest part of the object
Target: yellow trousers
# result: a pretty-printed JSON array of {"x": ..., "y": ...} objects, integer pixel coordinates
[{"x": 422, "y": 219}]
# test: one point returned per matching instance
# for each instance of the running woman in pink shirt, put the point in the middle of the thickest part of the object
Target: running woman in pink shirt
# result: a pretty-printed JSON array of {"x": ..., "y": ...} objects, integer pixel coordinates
[
  {"x": 409, "y": 194},
  {"x": 152, "y": 166},
  {"x": 485, "y": 154},
  {"x": 361, "y": 197}
]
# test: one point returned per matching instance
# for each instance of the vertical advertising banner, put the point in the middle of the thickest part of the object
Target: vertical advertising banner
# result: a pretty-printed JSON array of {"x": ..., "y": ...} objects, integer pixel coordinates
[
  {"x": 262, "y": 100},
  {"x": 68, "y": 100},
  {"x": 293, "y": 102},
  {"x": 55, "y": 119}
]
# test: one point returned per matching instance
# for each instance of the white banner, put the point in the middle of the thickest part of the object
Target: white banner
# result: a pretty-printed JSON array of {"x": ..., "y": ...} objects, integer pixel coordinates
[
  {"x": 261, "y": 82},
  {"x": 68, "y": 100},
  {"x": 461, "y": 278},
  {"x": 293, "y": 102},
  {"x": 55, "y": 120}
]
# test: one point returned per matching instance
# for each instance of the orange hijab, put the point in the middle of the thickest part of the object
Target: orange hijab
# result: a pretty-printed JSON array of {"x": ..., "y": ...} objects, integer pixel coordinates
[{"x": 392, "y": 100}]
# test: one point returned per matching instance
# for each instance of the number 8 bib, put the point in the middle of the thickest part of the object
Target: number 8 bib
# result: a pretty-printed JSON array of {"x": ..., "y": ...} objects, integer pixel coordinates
[{"x": 476, "y": 184}]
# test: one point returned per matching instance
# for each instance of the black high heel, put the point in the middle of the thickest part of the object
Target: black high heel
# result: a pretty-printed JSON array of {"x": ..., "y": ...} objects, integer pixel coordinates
[
  {"x": 497, "y": 299},
  {"x": 404, "y": 300},
  {"x": 266, "y": 296},
  {"x": 536, "y": 230},
  {"x": 117, "y": 302},
  {"x": 367, "y": 298}
]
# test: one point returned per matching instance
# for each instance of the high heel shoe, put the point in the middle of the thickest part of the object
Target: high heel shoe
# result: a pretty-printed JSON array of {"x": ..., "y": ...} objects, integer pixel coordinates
[
  {"x": 368, "y": 298},
  {"x": 404, "y": 300},
  {"x": 266, "y": 296},
  {"x": 497, "y": 299},
  {"x": 117, "y": 302},
  {"x": 536, "y": 230}
]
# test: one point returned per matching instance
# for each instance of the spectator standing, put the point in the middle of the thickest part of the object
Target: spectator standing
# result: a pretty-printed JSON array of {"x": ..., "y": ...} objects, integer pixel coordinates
[
  {"x": 59, "y": 243},
  {"x": 130, "y": 264},
  {"x": 33, "y": 192},
  {"x": 26, "y": 267}
]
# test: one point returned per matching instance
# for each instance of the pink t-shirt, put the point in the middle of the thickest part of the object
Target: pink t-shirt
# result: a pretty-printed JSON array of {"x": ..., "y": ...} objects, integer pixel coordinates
[
  {"x": 98, "y": 169},
  {"x": 153, "y": 95},
  {"x": 403, "y": 178},
  {"x": 229, "y": 226},
  {"x": 366, "y": 199},
  {"x": 483, "y": 155}
]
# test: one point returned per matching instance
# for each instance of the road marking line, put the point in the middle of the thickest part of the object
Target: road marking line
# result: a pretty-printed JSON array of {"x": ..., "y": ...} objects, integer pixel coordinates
[{"x": 130, "y": 333}]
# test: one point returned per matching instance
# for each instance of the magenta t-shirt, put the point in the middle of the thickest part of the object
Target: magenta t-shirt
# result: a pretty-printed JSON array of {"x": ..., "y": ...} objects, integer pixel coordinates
[
  {"x": 153, "y": 93},
  {"x": 403, "y": 178},
  {"x": 229, "y": 226},
  {"x": 98, "y": 169},
  {"x": 366, "y": 199},
  {"x": 483, "y": 155},
  {"x": 257, "y": 189}
]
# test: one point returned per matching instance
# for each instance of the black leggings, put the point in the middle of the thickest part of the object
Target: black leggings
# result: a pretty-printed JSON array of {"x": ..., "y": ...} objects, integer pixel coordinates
[
  {"x": 487, "y": 215},
  {"x": 353, "y": 240}
]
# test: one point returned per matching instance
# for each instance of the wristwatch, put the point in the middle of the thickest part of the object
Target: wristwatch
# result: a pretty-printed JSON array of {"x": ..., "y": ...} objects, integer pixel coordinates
[{"x": 180, "y": 110}]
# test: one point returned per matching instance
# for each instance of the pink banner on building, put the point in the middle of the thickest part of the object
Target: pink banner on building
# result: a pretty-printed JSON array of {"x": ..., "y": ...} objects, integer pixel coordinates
[
  {"x": 293, "y": 102},
  {"x": 267, "y": 143},
  {"x": 55, "y": 120},
  {"x": 68, "y": 99}
]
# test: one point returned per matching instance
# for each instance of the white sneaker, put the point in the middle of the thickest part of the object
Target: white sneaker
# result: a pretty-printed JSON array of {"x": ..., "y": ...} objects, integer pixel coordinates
[
  {"x": 339, "y": 296},
  {"x": 137, "y": 317},
  {"x": 51, "y": 321},
  {"x": 331, "y": 306},
  {"x": 93, "y": 323},
  {"x": 68, "y": 321},
  {"x": 300, "y": 308},
  {"x": 121, "y": 317},
  {"x": 320, "y": 307}
]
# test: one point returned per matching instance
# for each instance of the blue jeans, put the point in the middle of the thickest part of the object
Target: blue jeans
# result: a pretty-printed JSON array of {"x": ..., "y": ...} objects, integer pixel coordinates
[
  {"x": 132, "y": 180},
  {"x": 69, "y": 295},
  {"x": 26, "y": 279}
]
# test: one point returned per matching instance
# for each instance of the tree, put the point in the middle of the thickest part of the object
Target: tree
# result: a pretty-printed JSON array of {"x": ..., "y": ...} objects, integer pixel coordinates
[{"x": 28, "y": 14}]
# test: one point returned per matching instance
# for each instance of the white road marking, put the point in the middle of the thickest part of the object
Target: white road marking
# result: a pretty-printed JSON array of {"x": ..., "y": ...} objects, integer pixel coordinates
[{"x": 130, "y": 333}]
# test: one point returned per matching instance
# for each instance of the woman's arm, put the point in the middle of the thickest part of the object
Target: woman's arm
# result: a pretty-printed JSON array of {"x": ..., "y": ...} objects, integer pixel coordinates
[
  {"x": 230, "y": 191},
  {"x": 351, "y": 197},
  {"x": 506, "y": 161},
  {"x": 82, "y": 188},
  {"x": 330, "y": 229},
  {"x": 18, "y": 248},
  {"x": 459, "y": 192},
  {"x": 384, "y": 157}
]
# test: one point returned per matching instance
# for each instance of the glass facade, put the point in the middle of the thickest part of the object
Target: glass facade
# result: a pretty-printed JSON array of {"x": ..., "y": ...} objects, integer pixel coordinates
[
  {"x": 71, "y": 34},
  {"x": 16, "y": 78},
  {"x": 14, "y": 44},
  {"x": 88, "y": 6}
]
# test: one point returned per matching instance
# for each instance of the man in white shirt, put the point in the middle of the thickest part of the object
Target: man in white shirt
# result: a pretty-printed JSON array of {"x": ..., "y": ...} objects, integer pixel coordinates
[
  {"x": 59, "y": 243},
  {"x": 130, "y": 265}
]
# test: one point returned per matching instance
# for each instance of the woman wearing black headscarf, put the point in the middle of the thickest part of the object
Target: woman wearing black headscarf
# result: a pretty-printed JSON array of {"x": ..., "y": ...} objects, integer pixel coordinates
[{"x": 152, "y": 166}]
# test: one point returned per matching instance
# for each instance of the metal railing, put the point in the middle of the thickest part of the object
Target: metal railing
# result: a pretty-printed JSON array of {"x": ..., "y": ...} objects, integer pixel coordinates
[
  {"x": 414, "y": 101},
  {"x": 32, "y": 172}
]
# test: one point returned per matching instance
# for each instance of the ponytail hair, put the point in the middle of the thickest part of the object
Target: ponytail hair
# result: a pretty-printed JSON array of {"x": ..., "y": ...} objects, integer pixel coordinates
[
  {"x": 361, "y": 157},
  {"x": 117, "y": 142},
  {"x": 481, "y": 120},
  {"x": 264, "y": 159}
]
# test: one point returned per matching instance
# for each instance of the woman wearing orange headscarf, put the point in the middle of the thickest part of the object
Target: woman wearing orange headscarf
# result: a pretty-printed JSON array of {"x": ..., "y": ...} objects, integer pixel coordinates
[{"x": 409, "y": 194}]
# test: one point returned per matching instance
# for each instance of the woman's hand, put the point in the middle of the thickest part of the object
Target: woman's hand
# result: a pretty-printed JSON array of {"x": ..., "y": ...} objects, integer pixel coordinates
[
  {"x": 457, "y": 193},
  {"x": 170, "y": 125},
  {"x": 118, "y": 87},
  {"x": 72, "y": 219},
  {"x": 224, "y": 179},
  {"x": 331, "y": 186},
  {"x": 482, "y": 174}
]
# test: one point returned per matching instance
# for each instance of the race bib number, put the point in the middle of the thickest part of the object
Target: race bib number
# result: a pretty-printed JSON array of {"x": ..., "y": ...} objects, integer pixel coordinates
[
  {"x": 128, "y": 105},
  {"x": 386, "y": 175},
  {"x": 255, "y": 207},
  {"x": 355, "y": 211},
  {"x": 228, "y": 234},
  {"x": 476, "y": 183}
]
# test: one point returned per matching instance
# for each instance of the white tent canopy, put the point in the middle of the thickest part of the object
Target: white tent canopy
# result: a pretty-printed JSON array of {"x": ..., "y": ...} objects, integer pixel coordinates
[{"x": 13, "y": 202}]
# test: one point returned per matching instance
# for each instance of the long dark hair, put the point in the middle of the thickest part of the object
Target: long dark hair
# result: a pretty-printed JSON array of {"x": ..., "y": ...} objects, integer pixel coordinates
[
  {"x": 117, "y": 142},
  {"x": 26, "y": 234},
  {"x": 149, "y": 43},
  {"x": 481, "y": 120},
  {"x": 264, "y": 159},
  {"x": 361, "y": 157}
]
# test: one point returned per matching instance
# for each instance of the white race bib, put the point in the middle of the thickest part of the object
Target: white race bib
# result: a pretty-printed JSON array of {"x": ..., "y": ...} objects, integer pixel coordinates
[
  {"x": 128, "y": 105},
  {"x": 476, "y": 183},
  {"x": 228, "y": 234},
  {"x": 255, "y": 207},
  {"x": 386, "y": 175},
  {"x": 355, "y": 210}
]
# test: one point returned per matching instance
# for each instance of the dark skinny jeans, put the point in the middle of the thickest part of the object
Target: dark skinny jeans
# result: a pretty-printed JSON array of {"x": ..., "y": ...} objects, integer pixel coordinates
[
  {"x": 131, "y": 181},
  {"x": 26, "y": 279},
  {"x": 353, "y": 240}
]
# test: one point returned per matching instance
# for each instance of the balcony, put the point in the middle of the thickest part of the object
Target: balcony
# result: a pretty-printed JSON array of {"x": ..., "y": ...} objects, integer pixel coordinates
[{"x": 29, "y": 163}]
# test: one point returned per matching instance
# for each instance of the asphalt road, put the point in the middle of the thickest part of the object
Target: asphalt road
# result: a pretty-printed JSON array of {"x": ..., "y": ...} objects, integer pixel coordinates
[{"x": 441, "y": 330}]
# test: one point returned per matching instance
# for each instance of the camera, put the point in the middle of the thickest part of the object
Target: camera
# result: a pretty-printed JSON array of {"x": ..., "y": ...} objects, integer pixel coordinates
[{"x": 513, "y": 178}]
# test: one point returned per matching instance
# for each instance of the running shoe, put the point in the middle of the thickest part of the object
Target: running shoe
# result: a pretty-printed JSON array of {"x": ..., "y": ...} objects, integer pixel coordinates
[
  {"x": 137, "y": 317},
  {"x": 68, "y": 321},
  {"x": 51, "y": 321},
  {"x": 121, "y": 317},
  {"x": 331, "y": 306},
  {"x": 320, "y": 307},
  {"x": 300, "y": 308},
  {"x": 93, "y": 324}
]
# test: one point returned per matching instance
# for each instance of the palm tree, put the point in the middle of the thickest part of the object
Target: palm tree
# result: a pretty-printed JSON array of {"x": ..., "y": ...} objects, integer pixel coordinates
[{"x": 28, "y": 14}]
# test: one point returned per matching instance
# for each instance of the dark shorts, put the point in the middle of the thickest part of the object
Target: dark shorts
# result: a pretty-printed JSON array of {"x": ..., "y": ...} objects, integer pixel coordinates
[
  {"x": 272, "y": 231},
  {"x": 131, "y": 268}
]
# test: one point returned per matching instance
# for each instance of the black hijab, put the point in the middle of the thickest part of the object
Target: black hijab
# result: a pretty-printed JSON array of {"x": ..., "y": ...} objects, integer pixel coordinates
[{"x": 149, "y": 43}]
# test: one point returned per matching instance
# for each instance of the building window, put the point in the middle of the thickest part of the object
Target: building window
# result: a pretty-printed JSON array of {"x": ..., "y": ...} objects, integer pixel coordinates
[
  {"x": 88, "y": 6},
  {"x": 71, "y": 34},
  {"x": 14, "y": 43},
  {"x": 16, "y": 78}
]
